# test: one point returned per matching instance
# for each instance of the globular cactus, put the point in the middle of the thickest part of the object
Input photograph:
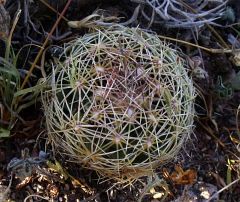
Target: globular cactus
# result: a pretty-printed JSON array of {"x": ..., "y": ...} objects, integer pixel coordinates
[{"x": 120, "y": 102}]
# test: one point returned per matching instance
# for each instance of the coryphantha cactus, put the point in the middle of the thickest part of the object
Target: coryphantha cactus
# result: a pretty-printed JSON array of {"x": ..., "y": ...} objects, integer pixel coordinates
[{"x": 119, "y": 102}]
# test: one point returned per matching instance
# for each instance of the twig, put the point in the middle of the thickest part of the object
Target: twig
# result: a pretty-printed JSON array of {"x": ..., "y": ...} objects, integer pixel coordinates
[
  {"x": 45, "y": 43},
  {"x": 38, "y": 196},
  {"x": 211, "y": 133},
  {"x": 210, "y": 50},
  {"x": 221, "y": 190},
  {"x": 53, "y": 9}
]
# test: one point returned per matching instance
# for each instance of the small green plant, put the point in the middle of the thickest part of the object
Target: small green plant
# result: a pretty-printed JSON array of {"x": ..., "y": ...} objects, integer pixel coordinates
[
  {"x": 12, "y": 98},
  {"x": 226, "y": 89},
  {"x": 9, "y": 83},
  {"x": 119, "y": 102}
]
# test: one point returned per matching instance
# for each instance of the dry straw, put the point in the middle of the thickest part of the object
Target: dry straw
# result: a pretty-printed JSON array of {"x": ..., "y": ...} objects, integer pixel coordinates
[
  {"x": 183, "y": 13},
  {"x": 120, "y": 102}
]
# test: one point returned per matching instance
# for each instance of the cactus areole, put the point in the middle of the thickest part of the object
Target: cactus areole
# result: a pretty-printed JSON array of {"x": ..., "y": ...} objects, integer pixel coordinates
[{"x": 119, "y": 102}]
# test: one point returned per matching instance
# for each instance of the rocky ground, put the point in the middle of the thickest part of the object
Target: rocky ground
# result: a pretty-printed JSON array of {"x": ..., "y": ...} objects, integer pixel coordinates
[{"x": 207, "y": 168}]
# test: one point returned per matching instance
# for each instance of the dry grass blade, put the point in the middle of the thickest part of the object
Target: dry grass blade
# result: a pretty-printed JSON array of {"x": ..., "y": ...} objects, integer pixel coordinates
[
  {"x": 53, "y": 9},
  {"x": 45, "y": 43},
  {"x": 174, "y": 13}
]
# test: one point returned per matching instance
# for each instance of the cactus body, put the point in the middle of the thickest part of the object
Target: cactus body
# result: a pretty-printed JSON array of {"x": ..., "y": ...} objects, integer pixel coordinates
[{"x": 121, "y": 103}]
